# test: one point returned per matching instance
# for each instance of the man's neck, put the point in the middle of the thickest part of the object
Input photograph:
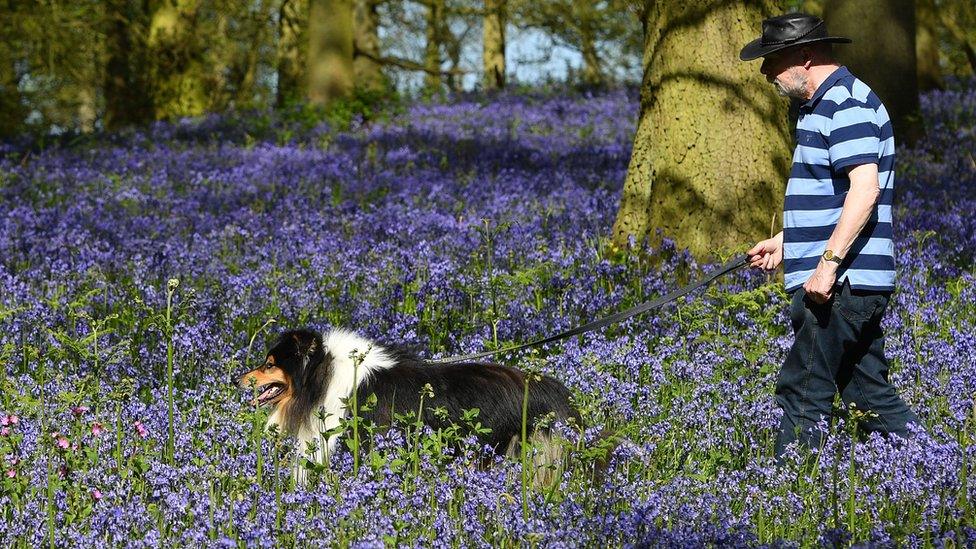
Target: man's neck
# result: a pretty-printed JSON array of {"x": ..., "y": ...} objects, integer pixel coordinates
[{"x": 816, "y": 76}]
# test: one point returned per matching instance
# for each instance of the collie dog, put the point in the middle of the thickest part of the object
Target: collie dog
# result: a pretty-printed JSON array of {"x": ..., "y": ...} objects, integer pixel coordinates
[{"x": 308, "y": 378}]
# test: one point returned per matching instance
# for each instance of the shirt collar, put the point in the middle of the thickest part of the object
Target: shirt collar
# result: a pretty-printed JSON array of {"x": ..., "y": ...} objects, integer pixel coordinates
[{"x": 832, "y": 78}]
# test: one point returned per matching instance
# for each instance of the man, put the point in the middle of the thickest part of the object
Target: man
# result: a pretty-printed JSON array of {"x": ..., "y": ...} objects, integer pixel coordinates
[{"x": 836, "y": 244}]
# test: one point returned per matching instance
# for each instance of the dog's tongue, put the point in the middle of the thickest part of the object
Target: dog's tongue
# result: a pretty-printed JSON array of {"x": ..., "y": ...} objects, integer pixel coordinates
[{"x": 267, "y": 394}]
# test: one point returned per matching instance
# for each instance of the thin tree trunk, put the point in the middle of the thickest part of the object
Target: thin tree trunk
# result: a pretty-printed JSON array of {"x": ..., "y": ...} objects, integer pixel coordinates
[
  {"x": 711, "y": 153},
  {"x": 128, "y": 97},
  {"x": 882, "y": 55},
  {"x": 292, "y": 19},
  {"x": 367, "y": 46},
  {"x": 927, "y": 46},
  {"x": 432, "y": 51},
  {"x": 493, "y": 44},
  {"x": 178, "y": 74},
  {"x": 330, "y": 50},
  {"x": 592, "y": 68}
]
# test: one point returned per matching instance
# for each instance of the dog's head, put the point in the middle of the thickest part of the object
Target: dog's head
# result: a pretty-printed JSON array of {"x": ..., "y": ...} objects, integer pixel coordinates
[{"x": 288, "y": 367}]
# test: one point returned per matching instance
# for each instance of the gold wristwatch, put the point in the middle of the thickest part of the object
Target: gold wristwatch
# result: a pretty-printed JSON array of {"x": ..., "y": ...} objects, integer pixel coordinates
[{"x": 829, "y": 255}]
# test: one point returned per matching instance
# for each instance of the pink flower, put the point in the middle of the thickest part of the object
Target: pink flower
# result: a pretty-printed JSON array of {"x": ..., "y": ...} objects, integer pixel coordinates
[
  {"x": 97, "y": 428},
  {"x": 11, "y": 473},
  {"x": 63, "y": 443},
  {"x": 4, "y": 431},
  {"x": 14, "y": 420},
  {"x": 78, "y": 410},
  {"x": 4, "y": 420},
  {"x": 143, "y": 433},
  {"x": 96, "y": 494}
]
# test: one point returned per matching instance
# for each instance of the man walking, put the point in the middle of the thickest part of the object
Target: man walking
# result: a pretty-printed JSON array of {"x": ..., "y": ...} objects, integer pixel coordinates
[{"x": 836, "y": 244}]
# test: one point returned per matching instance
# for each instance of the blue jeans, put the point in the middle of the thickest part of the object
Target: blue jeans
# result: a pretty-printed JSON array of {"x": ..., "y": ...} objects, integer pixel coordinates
[{"x": 839, "y": 347}]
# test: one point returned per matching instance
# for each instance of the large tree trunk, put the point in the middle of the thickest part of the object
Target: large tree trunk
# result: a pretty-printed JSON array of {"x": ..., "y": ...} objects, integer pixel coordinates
[
  {"x": 711, "y": 154},
  {"x": 366, "y": 43},
  {"x": 179, "y": 79},
  {"x": 330, "y": 50},
  {"x": 292, "y": 41},
  {"x": 432, "y": 51},
  {"x": 128, "y": 97},
  {"x": 882, "y": 55},
  {"x": 493, "y": 44},
  {"x": 927, "y": 46}
]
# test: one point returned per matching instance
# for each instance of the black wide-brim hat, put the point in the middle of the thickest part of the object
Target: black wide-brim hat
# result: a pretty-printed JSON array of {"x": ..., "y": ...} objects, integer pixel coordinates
[{"x": 786, "y": 31}]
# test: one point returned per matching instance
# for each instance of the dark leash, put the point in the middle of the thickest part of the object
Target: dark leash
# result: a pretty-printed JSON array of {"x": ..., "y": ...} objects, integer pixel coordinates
[{"x": 728, "y": 267}]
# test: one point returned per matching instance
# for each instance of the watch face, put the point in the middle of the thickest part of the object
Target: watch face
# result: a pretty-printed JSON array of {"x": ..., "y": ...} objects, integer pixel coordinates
[{"x": 828, "y": 255}]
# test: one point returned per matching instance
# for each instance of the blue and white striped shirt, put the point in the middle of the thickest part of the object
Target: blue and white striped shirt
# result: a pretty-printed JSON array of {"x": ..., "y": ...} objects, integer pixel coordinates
[{"x": 843, "y": 125}]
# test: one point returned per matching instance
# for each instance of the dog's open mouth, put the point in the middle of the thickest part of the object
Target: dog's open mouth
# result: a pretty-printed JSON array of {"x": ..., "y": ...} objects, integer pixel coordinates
[{"x": 269, "y": 393}]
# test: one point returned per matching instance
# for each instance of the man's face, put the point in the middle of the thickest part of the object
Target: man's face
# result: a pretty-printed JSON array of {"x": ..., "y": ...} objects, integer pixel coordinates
[{"x": 784, "y": 70}]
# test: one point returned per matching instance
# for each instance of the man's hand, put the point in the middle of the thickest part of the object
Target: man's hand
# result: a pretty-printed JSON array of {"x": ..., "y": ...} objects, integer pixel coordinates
[
  {"x": 767, "y": 254},
  {"x": 820, "y": 285}
]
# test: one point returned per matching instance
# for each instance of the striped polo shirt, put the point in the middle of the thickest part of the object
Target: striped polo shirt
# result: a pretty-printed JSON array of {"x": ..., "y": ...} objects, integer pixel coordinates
[{"x": 843, "y": 125}]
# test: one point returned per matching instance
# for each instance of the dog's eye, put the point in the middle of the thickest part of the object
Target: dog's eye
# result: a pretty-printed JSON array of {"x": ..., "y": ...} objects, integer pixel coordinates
[{"x": 268, "y": 365}]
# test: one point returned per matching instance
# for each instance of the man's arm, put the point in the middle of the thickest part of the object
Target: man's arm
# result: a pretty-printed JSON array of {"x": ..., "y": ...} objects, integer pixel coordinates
[{"x": 858, "y": 207}]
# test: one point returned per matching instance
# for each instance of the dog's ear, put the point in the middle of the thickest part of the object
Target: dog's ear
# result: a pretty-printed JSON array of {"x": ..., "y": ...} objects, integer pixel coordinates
[{"x": 306, "y": 346}]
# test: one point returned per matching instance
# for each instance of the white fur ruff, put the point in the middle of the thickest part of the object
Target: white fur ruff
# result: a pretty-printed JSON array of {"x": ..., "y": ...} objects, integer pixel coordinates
[{"x": 354, "y": 359}]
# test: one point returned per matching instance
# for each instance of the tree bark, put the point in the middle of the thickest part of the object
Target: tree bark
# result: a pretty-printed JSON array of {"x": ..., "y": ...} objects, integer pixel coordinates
[
  {"x": 128, "y": 94},
  {"x": 330, "y": 51},
  {"x": 292, "y": 21},
  {"x": 367, "y": 46},
  {"x": 432, "y": 51},
  {"x": 592, "y": 68},
  {"x": 179, "y": 80},
  {"x": 927, "y": 46},
  {"x": 711, "y": 153},
  {"x": 493, "y": 44},
  {"x": 882, "y": 55}
]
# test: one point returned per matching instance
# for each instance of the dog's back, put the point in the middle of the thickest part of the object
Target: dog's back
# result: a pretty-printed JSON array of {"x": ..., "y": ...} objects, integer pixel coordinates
[{"x": 498, "y": 392}]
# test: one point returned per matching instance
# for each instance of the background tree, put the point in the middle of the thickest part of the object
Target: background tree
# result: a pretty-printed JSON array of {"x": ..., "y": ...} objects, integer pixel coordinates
[
  {"x": 958, "y": 21},
  {"x": 291, "y": 50},
  {"x": 927, "y": 46},
  {"x": 366, "y": 46},
  {"x": 493, "y": 44},
  {"x": 711, "y": 153},
  {"x": 882, "y": 55},
  {"x": 330, "y": 50},
  {"x": 590, "y": 27}
]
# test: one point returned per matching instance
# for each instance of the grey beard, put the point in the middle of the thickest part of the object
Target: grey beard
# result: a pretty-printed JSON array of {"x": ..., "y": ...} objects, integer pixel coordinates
[{"x": 796, "y": 89}]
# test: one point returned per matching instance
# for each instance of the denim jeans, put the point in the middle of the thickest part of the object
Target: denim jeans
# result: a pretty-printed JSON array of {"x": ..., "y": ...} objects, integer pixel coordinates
[{"x": 839, "y": 347}]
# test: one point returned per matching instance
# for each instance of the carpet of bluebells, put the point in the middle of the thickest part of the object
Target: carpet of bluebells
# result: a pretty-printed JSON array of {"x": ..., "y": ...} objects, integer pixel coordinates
[{"x": 140, "y": 271}]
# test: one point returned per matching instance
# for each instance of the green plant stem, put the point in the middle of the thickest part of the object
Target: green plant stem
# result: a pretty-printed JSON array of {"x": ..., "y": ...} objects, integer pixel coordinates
[
  {"x": 524, "y": 451},
  {"x": 171, "y": 438}
]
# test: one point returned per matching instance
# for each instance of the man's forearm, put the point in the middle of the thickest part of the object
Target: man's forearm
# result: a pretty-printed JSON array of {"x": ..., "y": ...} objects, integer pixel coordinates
[{"x": 858, "y": 207}]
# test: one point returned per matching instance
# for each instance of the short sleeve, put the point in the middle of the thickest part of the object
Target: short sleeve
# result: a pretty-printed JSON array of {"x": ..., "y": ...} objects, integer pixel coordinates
[{"x": 855, "y": 136}]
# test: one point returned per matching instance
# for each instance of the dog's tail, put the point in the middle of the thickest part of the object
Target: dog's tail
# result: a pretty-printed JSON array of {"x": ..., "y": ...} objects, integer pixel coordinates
[{"x": 549, "y": 454}]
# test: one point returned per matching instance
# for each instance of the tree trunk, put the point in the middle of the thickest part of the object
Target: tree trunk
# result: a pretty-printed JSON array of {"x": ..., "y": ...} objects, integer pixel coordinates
[
  {"x": 432, "y": 52},
  {"x": 128, "y": 97},
  {"x": 592, "y": 69},
  {"x": 292, "y": 20},
  {"x": 179, "y": 80},
  {"x": 927, "y": 46},
  {"x": 330, "y": 50},
  {"x": 493, "y": 44},
  {"x": 367, "y": 47},
  {"x": 882, "y": 55},
  {"x": 711, "y": 154}
]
